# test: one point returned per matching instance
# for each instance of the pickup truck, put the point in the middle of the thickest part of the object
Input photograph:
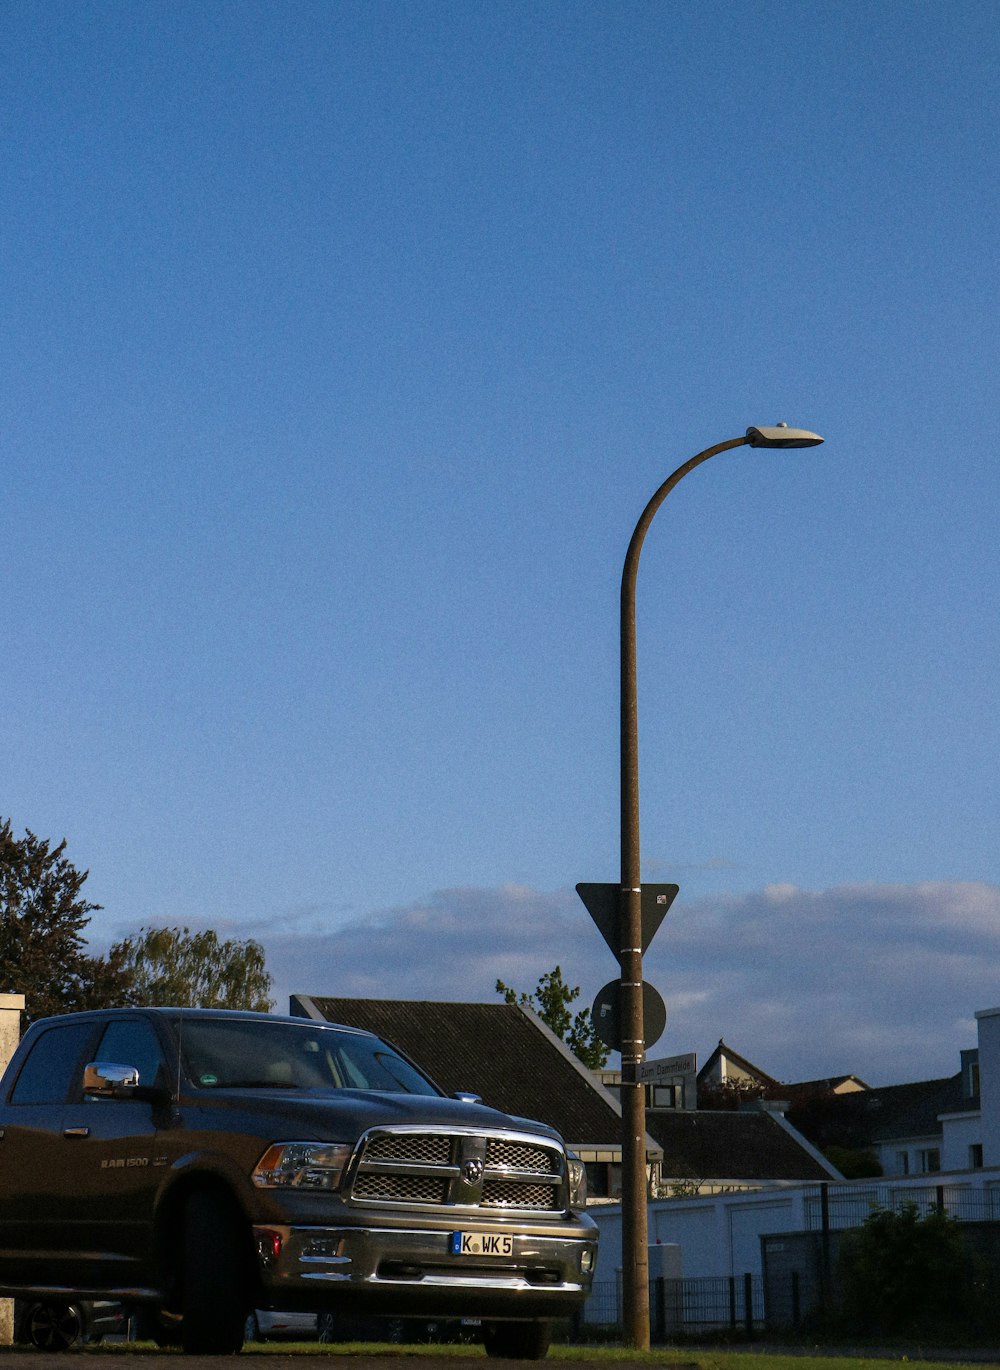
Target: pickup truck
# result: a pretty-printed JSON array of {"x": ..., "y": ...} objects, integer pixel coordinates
[{"x": 197, "y": 1164}]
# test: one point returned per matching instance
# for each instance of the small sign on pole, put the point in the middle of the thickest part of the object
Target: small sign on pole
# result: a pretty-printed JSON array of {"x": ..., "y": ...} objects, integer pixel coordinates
[
  {"x": 667, "y": 1068},
  {"x": 606, "y": 1017}
]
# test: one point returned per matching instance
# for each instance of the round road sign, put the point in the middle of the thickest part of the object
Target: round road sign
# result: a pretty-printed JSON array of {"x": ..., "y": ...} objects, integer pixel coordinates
[{"x": 606, "y": 1015}]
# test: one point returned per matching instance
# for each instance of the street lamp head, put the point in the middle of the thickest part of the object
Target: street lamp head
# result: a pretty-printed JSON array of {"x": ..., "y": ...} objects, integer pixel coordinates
[{"x": 782, "y": 436}]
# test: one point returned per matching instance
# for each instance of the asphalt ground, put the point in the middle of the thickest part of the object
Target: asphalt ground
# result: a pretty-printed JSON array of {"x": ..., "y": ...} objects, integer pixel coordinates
[{"x": 15, "y": 1358}]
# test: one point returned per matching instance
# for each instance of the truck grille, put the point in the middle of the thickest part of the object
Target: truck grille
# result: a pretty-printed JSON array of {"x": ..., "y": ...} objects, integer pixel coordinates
[
  {"x": 404, "y": 1189},
  {"x": 491, "y": 1171},
  {"x": 426, "y": 1149}
]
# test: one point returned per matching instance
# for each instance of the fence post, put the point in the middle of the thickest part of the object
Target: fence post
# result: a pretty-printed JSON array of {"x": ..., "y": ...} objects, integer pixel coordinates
[
  {"x": 660, "y": 1306},
  {"x": 732, "y": 1302},
  {"x": 824, "y": 1259},
  {"x": 796, "y": 1300},
  {"x": 748, "y": 1304}
]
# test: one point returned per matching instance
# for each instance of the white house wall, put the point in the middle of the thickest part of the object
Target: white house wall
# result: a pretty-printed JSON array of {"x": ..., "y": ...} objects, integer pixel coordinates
[
  {"x": 719, "y": 1235},
  {"x": 988, "y": 1022},
  {"x": 960, "y": 1132}
]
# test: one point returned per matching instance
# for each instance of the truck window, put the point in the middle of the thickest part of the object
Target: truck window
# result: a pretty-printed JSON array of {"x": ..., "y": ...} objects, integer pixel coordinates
[
  {"x": 221, "y": 1054},
  {"x": 51, "y": 1070},
  {"x": 132, "y": 1042}
]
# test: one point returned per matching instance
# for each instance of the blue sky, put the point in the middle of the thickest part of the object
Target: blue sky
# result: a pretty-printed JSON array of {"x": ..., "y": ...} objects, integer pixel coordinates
[{"x": 343, "y": 345}]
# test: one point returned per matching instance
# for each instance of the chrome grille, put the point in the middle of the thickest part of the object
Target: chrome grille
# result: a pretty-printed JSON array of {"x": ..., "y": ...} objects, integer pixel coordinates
[
  {"x": 409, "y": 1146},
  {"x": 460, "y": 1170},
  {"x": 407, "y": 1189},
  {"x": 502, "y": 1154},
  {"x": 508, "y": 1194}
]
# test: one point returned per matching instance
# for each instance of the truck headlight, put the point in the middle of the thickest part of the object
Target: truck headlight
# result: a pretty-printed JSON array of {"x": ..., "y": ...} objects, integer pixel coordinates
[
  {"x": 577, "y": 1182},
  {"x": 301, "y": 1165}
]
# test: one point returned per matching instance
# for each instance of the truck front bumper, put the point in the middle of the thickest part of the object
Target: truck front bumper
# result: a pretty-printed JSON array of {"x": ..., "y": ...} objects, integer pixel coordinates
[{"x": 400, "y": 1271}]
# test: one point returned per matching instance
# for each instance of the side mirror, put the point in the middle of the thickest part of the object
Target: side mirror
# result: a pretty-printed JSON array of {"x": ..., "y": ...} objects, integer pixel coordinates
[
  {"x": 109, "y": 1079},
  {"x": 112, "y": 1080}
]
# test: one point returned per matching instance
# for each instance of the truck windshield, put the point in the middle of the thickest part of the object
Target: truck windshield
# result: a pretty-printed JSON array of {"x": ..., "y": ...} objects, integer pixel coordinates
[{"x": 244, "y": 1053}]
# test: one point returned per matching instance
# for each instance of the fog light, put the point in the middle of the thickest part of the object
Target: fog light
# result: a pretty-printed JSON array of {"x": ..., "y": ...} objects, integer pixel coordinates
[{"x": 587, "y": 1260}]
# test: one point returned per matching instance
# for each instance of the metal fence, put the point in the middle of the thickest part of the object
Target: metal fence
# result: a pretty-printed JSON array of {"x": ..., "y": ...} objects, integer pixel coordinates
[
  {"x": 839, "y": 1206},
  {"x": 684, "y": 1307}
]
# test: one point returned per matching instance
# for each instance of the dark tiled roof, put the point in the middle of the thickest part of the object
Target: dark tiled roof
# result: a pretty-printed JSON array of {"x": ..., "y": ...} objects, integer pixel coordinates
[
  {"x": 500, "y": 1053},
  {"x": 912, "y": 1110},
  {"x": 495, "y": 1051},
  {"x": 866, "y": 1118},
  {"x": 718, "y": 1145}
]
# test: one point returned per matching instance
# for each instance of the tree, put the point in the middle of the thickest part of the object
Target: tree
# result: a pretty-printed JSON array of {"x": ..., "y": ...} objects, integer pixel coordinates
[
  {"x": 551, "y": 1001},
  {"x": 729, "y": 1096},
  {"x": 177, "y": 967},
  {"x": 903, "y": 1273},
  {"x": 42, "y": 916},
  {"x": 854, "y": 1163}
]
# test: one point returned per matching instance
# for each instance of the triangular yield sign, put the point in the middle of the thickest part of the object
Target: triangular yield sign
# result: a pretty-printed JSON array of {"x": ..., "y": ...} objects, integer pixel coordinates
[{"x": 602, "y": 903}]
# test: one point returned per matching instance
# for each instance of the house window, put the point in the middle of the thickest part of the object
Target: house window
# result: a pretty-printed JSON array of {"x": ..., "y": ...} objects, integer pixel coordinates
[
  {"x": 929, "y": 1160},
  {"x": 903, "y": 1162},
  {"x": 604, "y": 1180},
  {"x": 663, "y": 1096},
  {"x": 976, "y": 1156},
  {"x": 972, "y": 1079}
]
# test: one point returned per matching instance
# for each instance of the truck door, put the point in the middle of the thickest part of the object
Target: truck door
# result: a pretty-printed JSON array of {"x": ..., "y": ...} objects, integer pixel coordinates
[
  {"x": 37, "y": 1171},
  {"x": 110, "y": 1145}
]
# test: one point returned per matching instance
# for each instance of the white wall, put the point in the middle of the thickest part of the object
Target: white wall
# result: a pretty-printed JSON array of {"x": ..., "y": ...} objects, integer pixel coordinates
[
  {"x": 988, "y": 1021},
  {"x": 961, "y": 1131},
  {"x": 717, "y": 1234}
]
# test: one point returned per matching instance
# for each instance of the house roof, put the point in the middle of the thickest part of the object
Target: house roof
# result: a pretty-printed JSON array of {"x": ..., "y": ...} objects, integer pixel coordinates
[
  {"x": 832, "y": 1084},
  {"x": 911, "y": 1110},
  {"x": 509, "y": 1057},
  {"x": 711, "y": 1145},
  {"x": 741, "y": 1062},
  {"x": 499, "y": 1051},
  {"x": 873, "y": 1117}
]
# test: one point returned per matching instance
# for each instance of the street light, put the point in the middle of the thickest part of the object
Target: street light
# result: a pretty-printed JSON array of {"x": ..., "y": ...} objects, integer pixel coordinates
[{"x": 635, "y": 1253}]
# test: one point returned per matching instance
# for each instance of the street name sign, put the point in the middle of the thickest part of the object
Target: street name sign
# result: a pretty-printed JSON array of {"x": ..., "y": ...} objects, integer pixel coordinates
[{"x": 667, "y": 1068}]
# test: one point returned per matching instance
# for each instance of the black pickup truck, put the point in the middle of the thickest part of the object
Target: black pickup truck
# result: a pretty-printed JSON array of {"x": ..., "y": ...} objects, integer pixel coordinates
[{"x": 197, "y": 1164}]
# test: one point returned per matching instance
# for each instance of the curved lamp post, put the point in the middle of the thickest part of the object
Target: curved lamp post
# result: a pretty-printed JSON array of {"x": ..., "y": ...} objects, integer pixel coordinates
[{"x": 635, "y": 1258}]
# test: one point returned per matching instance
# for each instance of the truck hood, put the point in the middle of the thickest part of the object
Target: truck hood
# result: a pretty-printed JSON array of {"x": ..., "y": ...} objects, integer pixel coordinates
[{"x": 331, "y": 1114}]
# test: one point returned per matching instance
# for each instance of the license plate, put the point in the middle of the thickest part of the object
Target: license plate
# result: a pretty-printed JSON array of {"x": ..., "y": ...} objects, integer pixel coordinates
[{"x": 481, "y": 1244}]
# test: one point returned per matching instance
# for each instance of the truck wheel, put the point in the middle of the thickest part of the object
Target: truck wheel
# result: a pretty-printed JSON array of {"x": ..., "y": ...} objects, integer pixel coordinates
[
  {"x": 215, "y": 1297},
  {"x": 54, "y": 1326},
  {"x": 517, "y": 1340}
]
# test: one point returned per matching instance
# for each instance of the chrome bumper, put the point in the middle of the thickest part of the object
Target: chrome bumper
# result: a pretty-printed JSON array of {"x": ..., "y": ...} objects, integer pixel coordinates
[{"x": 399, "y": 1270}]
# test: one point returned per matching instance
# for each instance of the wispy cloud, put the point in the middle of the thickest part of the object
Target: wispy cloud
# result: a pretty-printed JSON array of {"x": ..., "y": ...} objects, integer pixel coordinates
[{"x": 878, "y": 980}]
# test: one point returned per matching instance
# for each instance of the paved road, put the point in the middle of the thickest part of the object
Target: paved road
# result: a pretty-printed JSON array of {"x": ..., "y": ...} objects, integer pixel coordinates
[{"x": 18, "y": 1359}]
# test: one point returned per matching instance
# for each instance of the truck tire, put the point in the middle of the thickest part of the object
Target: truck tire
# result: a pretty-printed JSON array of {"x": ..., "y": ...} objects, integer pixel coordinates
[
  {"x": 54, "y": 1326},
  {"x": 215, "y": 1295},
  {"x": 517, "y": 1340}
]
